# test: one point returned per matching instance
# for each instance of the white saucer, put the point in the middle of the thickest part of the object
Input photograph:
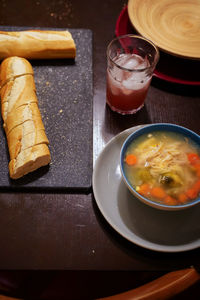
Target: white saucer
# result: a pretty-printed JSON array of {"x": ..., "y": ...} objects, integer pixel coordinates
[{"x": 163, "y": 231}]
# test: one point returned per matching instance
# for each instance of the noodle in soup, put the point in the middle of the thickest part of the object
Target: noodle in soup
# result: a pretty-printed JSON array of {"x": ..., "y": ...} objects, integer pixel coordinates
[{"x": 164, "y": 167}]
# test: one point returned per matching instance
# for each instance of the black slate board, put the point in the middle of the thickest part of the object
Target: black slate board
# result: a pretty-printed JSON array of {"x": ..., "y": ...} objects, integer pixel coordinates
[{"x": 65, "y": 95}]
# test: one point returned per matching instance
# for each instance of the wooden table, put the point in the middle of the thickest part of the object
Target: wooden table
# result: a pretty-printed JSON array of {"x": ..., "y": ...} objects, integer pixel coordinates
[{"x": 67, "y": 231}]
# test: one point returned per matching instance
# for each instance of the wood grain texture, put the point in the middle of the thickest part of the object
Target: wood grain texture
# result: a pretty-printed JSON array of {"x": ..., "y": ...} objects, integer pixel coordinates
[
  {"x": 165, "y": 287},
  {"x": 174, "y": 26}
]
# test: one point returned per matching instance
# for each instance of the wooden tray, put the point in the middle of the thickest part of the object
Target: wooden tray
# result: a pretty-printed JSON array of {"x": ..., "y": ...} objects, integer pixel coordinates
[
  {"x": 174, "y": 26},
  {"x": 65, "y": 96}
]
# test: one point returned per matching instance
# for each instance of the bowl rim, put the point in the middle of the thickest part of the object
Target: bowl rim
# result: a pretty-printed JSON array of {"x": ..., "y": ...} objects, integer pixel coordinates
[{"x": 148, "y": 128}]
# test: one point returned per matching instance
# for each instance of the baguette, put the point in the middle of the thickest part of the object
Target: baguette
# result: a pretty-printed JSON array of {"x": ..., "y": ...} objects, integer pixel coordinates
[
  {"x": 28, "y": 115},
  {"x": 18, "y": 142},
  {"x": 17, "y": 92},
  {"x": 29, "y": 160},
  {"x": 12, "y": 68},
  {"x": 37, "y": 44},
  {"x": 25, "y": 133}
]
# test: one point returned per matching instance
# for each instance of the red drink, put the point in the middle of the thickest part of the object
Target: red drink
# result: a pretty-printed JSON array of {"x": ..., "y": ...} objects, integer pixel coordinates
[{"x": 127, "y": 83}]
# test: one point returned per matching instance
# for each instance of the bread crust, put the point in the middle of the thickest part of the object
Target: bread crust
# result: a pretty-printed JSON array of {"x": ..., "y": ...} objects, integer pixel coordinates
[
  {"x": 28, "y": 113},
  {"x": 25, "y": 132},
  {"x": 13, "y": 67},
  {"x": 29, "y": 160},
  {"x": 17, "y": 92},
  {"x": 37, "y": 44},
  {"x": 18, "y": 142}
]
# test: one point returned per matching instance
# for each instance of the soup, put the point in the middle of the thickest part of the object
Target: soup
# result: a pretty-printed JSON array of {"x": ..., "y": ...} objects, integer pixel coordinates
[{"x": 164, "y": 167}]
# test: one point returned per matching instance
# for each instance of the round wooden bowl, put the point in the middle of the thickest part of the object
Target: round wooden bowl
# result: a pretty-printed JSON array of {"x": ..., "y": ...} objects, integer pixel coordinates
[{"x": 174, "y": 26}]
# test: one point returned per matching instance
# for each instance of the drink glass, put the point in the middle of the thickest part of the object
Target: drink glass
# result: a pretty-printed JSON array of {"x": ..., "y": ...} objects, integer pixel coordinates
[{"x": 131, "y": 60}]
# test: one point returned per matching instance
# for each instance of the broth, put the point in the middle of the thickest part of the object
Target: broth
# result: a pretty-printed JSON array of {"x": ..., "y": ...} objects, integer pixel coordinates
[{"x": 164, "y": 167}]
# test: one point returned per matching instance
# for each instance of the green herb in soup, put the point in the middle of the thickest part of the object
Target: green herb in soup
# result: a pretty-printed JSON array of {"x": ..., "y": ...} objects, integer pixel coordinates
[{"x": 164, "y": 167}]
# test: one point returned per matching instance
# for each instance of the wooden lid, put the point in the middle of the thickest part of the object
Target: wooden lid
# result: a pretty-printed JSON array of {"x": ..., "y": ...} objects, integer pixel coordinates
[{"x": 174, "y": 26}]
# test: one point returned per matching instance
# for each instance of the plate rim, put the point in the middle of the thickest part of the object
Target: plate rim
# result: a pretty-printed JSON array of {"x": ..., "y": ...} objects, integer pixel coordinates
[{"x": 138, "y": 240}]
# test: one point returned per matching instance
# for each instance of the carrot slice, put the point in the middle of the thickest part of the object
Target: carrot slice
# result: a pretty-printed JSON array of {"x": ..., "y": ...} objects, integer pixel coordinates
[
  {"x": 197, "y": 166},
  {"x": 182, "y": 198},
  {"x": 196, "y": 186},
  {"x": 170, "y": 200},
  {"x": 197, "y": 169},
  {"x": 131, "y": 159},
  {"x": 144, "y": 189},
  {"x": 158, "y": 192},
  {"x": 192, "y": 193},
  {"x": 193, "y": 158}
]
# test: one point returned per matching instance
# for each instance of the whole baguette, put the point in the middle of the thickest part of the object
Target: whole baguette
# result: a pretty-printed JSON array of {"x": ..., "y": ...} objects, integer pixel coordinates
[
  {"x": 26, "y": 137},
  {"x": 37, "y": 44}
]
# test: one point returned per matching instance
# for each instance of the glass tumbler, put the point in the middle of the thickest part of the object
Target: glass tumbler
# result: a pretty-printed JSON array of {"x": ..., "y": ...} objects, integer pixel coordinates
[{"x": 131, "y": 60}]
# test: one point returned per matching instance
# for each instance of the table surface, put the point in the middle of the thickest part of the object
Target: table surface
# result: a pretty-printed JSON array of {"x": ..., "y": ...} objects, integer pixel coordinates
[{"x": 67, "y": 231}]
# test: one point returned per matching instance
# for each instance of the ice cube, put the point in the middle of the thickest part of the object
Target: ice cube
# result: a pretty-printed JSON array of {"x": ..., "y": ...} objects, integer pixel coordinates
[
  {"x": 114, "y": 89},
  {"x": 121, "y": 59},
  {"x": 136, "y": 82},
  {"x": 116, "y": 73},
  {"x": 132, "y": 62},
  {"x": 143, "y": 64}
]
